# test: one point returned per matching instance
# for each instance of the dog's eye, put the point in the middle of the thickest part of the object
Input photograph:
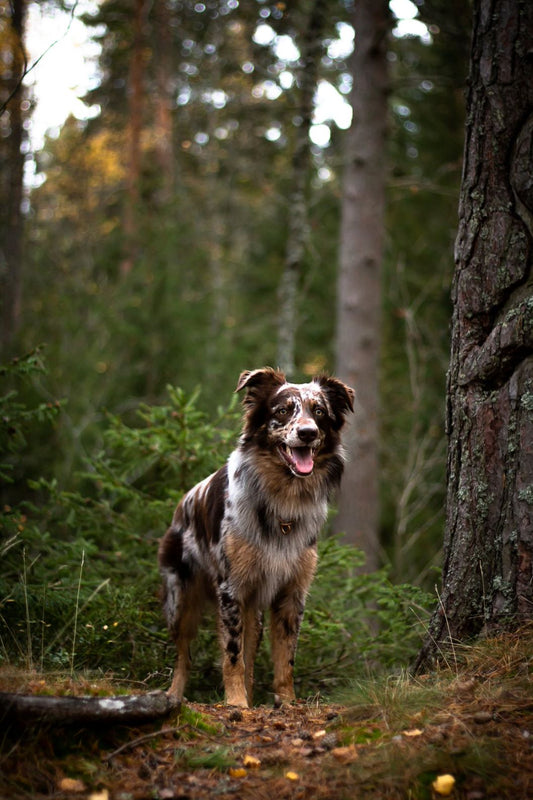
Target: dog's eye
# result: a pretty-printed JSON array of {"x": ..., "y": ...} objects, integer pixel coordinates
[
  {"x": 282, "y": 411},
  {"x": 319, "y": 411}
]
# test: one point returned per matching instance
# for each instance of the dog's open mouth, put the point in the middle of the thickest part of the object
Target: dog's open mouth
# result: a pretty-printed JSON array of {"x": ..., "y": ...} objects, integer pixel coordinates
[{"x": 300, "y": 460}]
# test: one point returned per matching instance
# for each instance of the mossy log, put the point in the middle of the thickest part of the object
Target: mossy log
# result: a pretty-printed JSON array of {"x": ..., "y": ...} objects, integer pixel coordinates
[{"x": 24, "y": 709}]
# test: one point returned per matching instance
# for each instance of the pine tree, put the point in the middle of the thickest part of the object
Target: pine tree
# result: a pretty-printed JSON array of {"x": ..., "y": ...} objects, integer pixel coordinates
[
  {"x": 487, "y": 578},
  {"x": 359, "y": 284},
  {"x": 14, "y": 106}
]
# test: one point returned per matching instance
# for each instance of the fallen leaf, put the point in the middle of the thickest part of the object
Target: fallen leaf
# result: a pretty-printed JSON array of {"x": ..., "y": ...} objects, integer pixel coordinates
[
  {"x": 292, "y": 776},
  {"x": 237, "y": 772},
  {"x": 71, "y": 785},
  {"x": 465, "y": 685},
  {"x": 414, "y": 732},
  {"x": 251, "y": 761},
  {"x": 101, "y": 795},
  {"x": 36, "y": 686},
  {"x": 319, "y": 734},
  {"x": 444, "y": 784},
  {"x": 345, "y": 755},
  {"x": 297, "y": 742}
]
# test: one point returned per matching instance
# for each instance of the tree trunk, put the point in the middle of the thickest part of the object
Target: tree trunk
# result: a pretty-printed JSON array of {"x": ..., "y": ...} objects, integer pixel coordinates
[
  {"x": 488, "y": 547},
  {"x": 164, "y": 101},
  {"x": 12, "y": 173},
  {"x": 359, "y": 282},
  {"x": 297, "y": 216},
  {"x": 136, "y": 104}
]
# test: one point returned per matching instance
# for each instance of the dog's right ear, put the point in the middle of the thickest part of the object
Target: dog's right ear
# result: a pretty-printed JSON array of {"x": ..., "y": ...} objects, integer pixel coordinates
[{"x": 258, "y": 381}]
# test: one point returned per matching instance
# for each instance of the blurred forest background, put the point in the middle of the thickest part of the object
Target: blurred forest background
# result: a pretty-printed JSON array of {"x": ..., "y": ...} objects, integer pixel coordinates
[{"x": 151, "y": 246}]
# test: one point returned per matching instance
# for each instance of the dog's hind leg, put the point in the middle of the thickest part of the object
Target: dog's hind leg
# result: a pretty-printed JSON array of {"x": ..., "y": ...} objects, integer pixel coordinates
[
  {"x": 183, "y": 633},
  {"x": 183, "y": 605},
  {"x": 253, "y": 631}
]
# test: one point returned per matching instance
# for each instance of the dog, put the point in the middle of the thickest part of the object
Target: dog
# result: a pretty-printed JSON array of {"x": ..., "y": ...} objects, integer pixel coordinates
[{"x": 246, "y": 536}]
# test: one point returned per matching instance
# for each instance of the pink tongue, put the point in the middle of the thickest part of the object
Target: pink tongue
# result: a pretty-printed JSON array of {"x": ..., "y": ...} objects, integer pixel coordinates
[{"x": 303, "y": 459}]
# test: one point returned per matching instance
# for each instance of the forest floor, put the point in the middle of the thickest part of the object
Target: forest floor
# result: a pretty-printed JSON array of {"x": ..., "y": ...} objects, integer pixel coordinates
[{"x": 463, "y": 732}]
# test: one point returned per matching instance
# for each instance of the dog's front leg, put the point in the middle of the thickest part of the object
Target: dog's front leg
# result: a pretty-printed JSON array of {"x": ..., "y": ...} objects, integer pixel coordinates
[
  {"x": 286, "y": 616},
  {"x": 285, "y": 620},
  {"x": 253, "y": 631},
  {"x": 231, "y": 641}
]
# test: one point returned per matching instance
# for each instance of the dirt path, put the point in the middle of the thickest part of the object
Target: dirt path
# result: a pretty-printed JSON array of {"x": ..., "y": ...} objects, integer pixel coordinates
[{"x": 260, "y": 753}]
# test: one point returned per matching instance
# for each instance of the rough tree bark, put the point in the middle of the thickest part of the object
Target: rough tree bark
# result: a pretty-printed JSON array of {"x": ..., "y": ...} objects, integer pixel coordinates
[
  {"x": 297, "y": 217},
  {"x": 488, "y": 548},
  {"x": 12, "y": 69},
  {"x": 359, "y": 281}
]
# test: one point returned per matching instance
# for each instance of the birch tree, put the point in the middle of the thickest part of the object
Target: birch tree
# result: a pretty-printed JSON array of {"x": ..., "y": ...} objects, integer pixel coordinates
[{"x": 297, "y": 218}]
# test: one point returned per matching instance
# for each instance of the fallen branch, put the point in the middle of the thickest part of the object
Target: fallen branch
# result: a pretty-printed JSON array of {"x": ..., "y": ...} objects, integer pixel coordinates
[
  {"x": 146, "y": 737},
  {"x": 26, "y": 709}
]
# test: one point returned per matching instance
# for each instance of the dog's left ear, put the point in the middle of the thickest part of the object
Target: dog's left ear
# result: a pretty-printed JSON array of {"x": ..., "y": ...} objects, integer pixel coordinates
[
  {"x": 340, "y": 396},
  {"x": 258, "y": 381}
]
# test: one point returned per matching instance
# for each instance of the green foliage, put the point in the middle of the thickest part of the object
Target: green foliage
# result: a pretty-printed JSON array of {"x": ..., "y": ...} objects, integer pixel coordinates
[
  {"x": 78, "y": 576},
  {"x": 17, "y": 419},
  {"x": 425, "y": 148},
  {"x": 199, "y": 301},
  {"x": 210, "y": 757},
  {"x": 102, "y": 540},
  {"x": 356, "y": 622}
]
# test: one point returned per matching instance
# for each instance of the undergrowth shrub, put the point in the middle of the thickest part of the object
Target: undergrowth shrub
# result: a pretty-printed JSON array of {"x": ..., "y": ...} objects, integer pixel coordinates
[{"x": 78, "y": 569}]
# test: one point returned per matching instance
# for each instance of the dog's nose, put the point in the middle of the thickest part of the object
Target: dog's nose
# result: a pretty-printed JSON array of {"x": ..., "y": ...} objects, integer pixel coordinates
[{"x": 307, "y": 433}]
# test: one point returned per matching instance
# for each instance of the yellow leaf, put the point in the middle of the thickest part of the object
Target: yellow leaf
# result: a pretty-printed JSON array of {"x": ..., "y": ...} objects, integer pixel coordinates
[
  {"x": 414, "y": 732},
  {"x": 237, "y": 772},
  {"x": 101, "y": 795},
  {"x": 251, "y": 761},
  {"x": 444, "y": 784},
  {"x": 71, "y": 785},
  {"x": 292, "y": 776}
]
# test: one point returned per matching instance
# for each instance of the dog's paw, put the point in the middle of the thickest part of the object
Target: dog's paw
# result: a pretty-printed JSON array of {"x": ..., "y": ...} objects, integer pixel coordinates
[{"x": 237, "y": 701}]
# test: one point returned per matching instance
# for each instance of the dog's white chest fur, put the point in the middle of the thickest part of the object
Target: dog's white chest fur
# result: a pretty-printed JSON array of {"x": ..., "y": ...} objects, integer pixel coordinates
[{"x": 268, "y": 534}]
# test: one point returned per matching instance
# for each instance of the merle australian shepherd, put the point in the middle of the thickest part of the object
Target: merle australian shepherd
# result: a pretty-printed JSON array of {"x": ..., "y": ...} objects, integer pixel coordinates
[{"x": 246, "y": 536}]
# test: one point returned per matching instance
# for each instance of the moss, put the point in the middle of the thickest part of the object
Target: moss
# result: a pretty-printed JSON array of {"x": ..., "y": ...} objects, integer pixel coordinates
[
  {"x": 526, "y": 401},
  {"x": 526, "y": 495}
]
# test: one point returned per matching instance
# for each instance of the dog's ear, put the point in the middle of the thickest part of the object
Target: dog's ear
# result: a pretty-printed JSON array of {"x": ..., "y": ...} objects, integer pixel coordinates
[
  {"x": 258, "y": 381},
  {"x": 340, "y": 396}
]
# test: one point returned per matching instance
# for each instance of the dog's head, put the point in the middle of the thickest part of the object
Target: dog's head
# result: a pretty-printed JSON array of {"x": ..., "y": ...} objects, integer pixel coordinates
[{"x": 298, "y": 424}]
